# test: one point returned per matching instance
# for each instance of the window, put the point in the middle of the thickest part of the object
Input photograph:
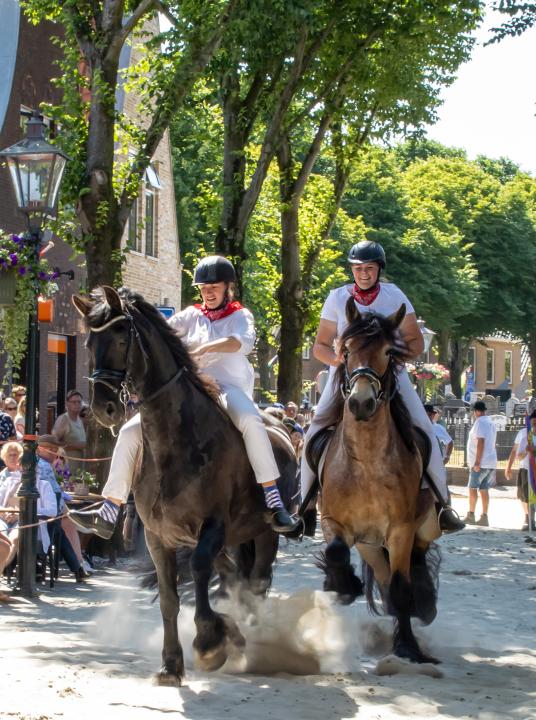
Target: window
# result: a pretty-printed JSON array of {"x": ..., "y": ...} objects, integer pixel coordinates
[
  {"x": 508, "y": 366},
  {"x": 471, "y": 358},
  {"x": 490, "y": 366},
  {"x": 133, "y": 239},
  {"x": 306, "y": 352},
  {"x": 150, "y": 235}
]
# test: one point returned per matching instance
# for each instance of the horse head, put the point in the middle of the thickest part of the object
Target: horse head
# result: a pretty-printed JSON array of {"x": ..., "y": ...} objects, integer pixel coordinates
[
  {"x": 112, "y": 353},
  {"x": 372, "y": 347}
]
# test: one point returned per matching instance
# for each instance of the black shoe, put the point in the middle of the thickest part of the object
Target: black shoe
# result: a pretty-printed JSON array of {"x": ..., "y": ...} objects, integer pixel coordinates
[
  {"x": 449, "y": 520},
  {"x": 81, "y": 575},
  {"x": 281, "y": 521},
  {"x": 92, "y": 521}
]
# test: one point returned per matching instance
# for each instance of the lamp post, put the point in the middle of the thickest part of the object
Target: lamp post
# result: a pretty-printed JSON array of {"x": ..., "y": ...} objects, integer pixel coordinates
[
  {"x": 427, "y": 335},
  {"x": 36, "y": 169}
]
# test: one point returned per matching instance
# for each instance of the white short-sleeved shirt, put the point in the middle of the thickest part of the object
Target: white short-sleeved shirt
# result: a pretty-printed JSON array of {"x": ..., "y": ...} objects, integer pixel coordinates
[
  {"x": 225, "y": 368},
  {"x": 388, "y": 301},
  {"x": 443, "y": 436},
  {"x": 521, "y": 442},
  {"x": 482, "y": 428}
]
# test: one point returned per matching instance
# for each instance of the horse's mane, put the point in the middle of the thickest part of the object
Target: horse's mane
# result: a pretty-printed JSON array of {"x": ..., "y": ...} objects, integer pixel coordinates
[
  {"x": 377, "y": 329},
  {"x": 136, "y": 304}
]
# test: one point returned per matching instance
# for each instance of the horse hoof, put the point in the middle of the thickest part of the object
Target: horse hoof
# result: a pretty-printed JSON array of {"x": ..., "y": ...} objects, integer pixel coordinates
[
  {"x": 211, "y": 660},
  {"x": 414, "y": 654},
  {"x": 167, "y": 678}
]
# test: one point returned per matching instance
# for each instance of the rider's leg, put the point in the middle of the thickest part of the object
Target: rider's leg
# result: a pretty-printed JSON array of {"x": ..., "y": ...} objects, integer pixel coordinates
[
  {"x": 448, "y": 519},
  {"x": 117, "y": 488},
  {"x": 245, "y": 417},
  {"x": 321, "y": 420}
]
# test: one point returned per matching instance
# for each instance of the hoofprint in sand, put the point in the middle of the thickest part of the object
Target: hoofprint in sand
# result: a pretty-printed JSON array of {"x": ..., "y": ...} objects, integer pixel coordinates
[{"x": 89, "y": 651}]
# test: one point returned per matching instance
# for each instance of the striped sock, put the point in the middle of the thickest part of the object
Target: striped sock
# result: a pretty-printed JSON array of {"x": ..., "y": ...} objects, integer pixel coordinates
[
  {"x": 109, "y": 511},
  {"x": 272, "y": 496}
]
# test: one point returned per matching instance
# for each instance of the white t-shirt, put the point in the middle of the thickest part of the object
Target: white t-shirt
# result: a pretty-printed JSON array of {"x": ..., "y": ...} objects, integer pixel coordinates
[
  {"x": 443, "y": 437},
  {"x": 483, "y": 428},
  {"x": 225, "y": 368},
  {"x": 388, "y": 301},
  {"x": 521, "y": 442}
]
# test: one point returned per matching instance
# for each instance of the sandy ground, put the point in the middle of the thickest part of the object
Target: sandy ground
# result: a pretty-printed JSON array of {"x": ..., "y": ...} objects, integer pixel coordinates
[{"x": 89, "y": 651}]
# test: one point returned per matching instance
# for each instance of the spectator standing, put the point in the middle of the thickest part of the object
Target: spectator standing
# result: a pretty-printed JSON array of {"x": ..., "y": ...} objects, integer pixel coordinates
[
  {"x": 521, "y": 452},
  {"x": 445, "y": 441},
  {"x": 70, "y": 432},
  {"x": 20, "y": 418},
  {"x": 291, "y": 410},
  {"x": 482, "y": 459}
]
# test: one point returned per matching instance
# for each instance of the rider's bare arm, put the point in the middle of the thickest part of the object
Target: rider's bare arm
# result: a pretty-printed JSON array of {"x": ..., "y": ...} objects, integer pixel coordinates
[
  {"x": 223, "y": 345},
  {"x": 412, "y": 335},
  {"x": 323, "y": 345}
]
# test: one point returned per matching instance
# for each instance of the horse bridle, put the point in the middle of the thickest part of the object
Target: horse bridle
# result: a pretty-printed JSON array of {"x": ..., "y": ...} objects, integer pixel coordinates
[
  {"x": 377, "y": 381},
  {"x": 109, "y": 377}
]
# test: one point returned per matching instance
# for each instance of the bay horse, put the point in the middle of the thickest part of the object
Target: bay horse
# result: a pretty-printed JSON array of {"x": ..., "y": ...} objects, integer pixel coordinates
[
  {"x": 371, "y": 492},
  {"x": 195, "y": 487}
]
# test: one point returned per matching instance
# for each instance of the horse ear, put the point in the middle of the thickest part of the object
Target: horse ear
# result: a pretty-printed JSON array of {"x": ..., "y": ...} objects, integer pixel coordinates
[
  {"x": 82, "y": 303},
  {"x": 112, "y": 298},
  {"x": 397, "y": 317},
  {"x": 352, "y": 313}
]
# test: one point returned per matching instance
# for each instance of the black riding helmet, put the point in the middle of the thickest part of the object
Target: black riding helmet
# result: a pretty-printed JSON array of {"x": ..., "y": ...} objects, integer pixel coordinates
[
  {"x": 367, "y": 251},
  {"x": 214, "y": 269}
]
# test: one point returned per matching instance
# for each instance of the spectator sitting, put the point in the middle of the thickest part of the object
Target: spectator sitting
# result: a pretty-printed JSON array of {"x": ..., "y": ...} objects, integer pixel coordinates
[
  {"x": 7, "y": 430},
  {"x": 71, "y": 552},
  {"x": 11, "y": 407},
  {"x": 10, "y": 479}
]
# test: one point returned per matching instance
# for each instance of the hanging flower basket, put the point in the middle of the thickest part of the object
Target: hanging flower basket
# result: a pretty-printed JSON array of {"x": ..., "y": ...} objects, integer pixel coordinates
[
  {"x": 30, "y": 277},
  {"x": 428, "y": 377},
  {"x": 8, "y": 288}
]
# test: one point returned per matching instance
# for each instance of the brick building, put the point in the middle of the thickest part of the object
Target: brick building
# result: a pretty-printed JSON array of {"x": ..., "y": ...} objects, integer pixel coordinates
[{"x": 153, "y": 261}]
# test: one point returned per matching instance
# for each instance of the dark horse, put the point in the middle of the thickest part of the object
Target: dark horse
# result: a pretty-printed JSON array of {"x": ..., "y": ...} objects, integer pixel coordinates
[
  {"x": 371, "y": 494},
  {"x": 195, "y": 487}
]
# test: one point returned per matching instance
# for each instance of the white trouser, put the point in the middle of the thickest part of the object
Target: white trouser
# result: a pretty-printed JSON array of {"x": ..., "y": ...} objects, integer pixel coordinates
[
  {"x": 244, "y": 416},
  {"x": 435, "y": 469}
]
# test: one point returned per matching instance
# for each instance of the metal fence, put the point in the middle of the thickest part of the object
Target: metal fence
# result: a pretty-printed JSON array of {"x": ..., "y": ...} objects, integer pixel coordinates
[{"x": 458, "y": 429}]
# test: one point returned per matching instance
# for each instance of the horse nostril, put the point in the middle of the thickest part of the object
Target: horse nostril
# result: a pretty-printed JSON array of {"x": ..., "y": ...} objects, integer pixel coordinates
[
  {"x": 370, "y": 405},
  {"x": 110, "y": 409}
]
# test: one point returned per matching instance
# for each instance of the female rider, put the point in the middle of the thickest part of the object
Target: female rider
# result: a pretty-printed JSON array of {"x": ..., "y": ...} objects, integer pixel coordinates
[
  {"x": 367, "y": 260},
  {"x": 219, "y": 334}
]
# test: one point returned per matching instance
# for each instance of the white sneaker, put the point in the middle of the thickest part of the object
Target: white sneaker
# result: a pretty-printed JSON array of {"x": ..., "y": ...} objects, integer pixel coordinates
[{"x": 87, "y": 567}]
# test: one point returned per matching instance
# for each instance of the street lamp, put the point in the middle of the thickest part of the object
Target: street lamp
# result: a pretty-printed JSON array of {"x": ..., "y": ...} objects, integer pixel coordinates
[
  {"x": 36, "y": 169},
  {"x": 427, "y": 335}
]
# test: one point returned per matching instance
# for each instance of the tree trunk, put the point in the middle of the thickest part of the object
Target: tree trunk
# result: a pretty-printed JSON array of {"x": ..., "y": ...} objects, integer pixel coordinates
[
  {"x": 290, "y": 292},
  {"x": 265, "y": 353},
  {"x": 457, "y": 363},
  {"x": 531, "y": 344},
  {"x": 443, "y": 338}
]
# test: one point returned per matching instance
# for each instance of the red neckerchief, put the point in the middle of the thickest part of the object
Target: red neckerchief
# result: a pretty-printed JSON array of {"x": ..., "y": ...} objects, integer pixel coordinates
[
  {"x": 365, "y": 297},
  {"x": 221, "y": 312}
]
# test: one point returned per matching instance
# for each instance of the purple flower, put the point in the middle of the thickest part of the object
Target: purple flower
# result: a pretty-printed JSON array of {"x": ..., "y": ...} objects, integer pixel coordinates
[
  {"x": 42, "y": 275},
  {"x": 13, "y": 257},
  {"x": 22, "y": 270},
  {"x": 55, "y": 275}
]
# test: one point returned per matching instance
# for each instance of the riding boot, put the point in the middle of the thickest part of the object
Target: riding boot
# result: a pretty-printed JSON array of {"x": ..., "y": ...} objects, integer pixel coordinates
[
  {"x": 449, "y": 520},
  {"x": 100, "y": 522},
  {"x": 282, "y": 521}
]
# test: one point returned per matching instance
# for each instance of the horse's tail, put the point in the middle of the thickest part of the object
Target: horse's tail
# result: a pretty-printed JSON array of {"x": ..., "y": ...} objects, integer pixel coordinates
[
  {"x": 147, "y": 571},
  {"x": 424, "y": 583}
]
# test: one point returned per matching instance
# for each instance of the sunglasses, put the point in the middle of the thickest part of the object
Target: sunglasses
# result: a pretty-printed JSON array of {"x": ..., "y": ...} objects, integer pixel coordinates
[{"x": 11, "y": 407}]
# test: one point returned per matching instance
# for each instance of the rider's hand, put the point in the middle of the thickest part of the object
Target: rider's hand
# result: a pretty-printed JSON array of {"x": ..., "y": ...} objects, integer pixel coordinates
[{"x": 198, "y": 352}]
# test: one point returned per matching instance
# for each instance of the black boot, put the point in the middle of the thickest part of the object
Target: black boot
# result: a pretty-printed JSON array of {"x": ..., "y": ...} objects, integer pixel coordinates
[
  {"x": 449, "y": 520},
  {"x": 282, "y": 521},
  {"x": 91, "y": 520}
]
